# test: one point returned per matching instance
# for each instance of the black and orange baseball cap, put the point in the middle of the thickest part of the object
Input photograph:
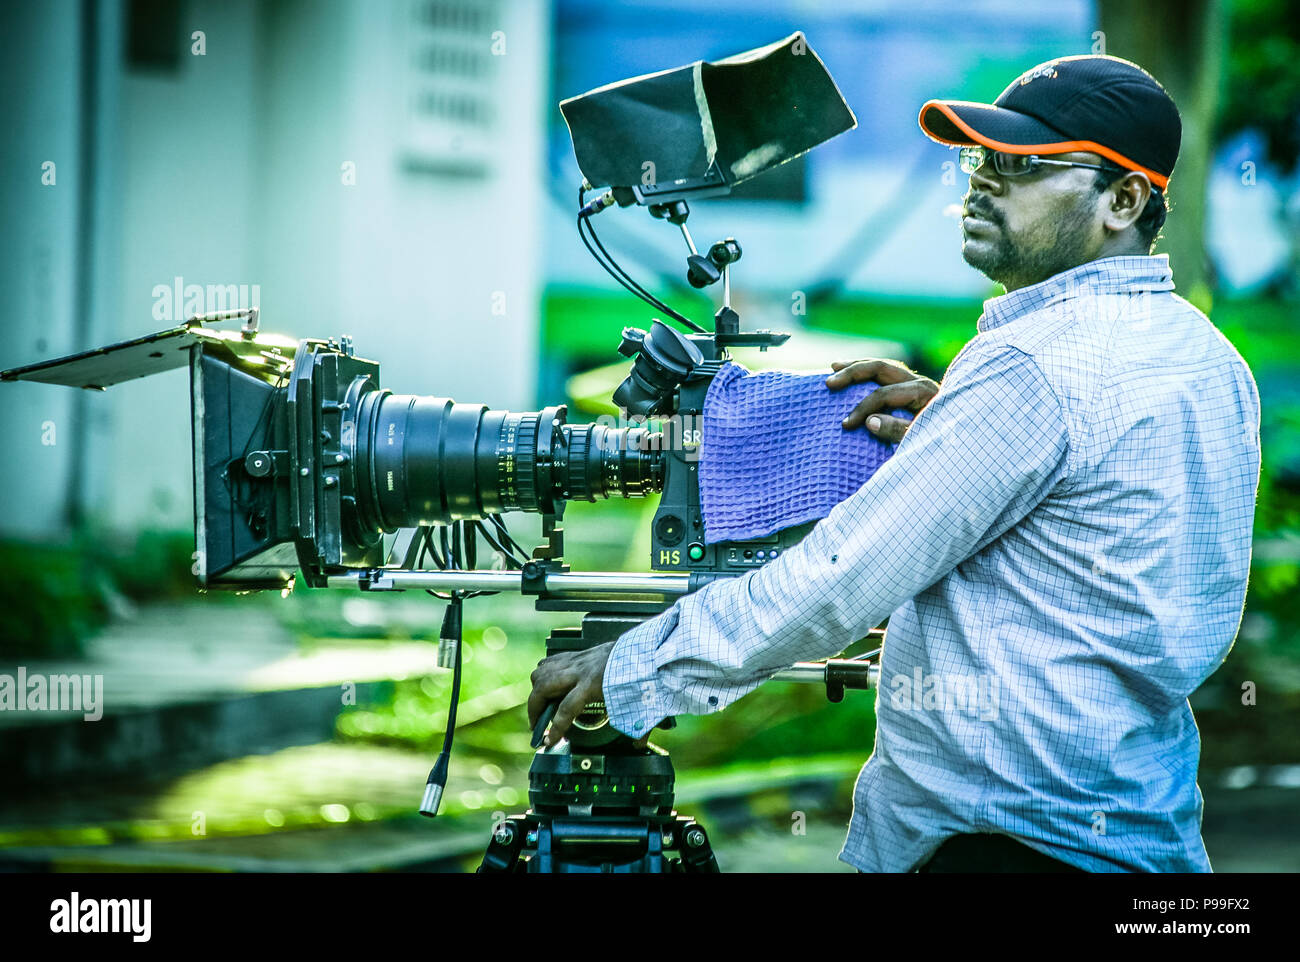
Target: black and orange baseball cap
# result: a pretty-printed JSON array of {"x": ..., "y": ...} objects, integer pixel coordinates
[{"x": 1096, "y": 103}]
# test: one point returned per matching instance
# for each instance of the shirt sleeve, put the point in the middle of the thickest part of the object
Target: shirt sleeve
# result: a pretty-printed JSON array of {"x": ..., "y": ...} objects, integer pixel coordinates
[{"x": 987, "y": 449}]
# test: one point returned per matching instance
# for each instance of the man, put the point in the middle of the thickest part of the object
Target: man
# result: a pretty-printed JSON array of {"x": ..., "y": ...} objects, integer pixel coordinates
[{"x": 1061, "y": 541}]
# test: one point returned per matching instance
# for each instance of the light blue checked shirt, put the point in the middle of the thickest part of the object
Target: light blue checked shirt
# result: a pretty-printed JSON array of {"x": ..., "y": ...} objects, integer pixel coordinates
[{"x": 1061, "y": 543}]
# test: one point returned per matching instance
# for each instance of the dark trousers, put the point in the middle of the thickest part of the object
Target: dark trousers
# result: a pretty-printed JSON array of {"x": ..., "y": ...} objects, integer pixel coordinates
[{"x": 990, "y": 853}]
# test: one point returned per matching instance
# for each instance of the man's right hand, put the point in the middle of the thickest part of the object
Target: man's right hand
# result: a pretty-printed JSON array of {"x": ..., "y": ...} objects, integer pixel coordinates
[{"x": 900, "y": 387}]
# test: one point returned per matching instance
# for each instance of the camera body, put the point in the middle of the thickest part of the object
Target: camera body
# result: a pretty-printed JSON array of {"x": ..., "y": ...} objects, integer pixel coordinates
[
  {"x": 677, "y": 535},
  {"x": 306, "y": 463}
]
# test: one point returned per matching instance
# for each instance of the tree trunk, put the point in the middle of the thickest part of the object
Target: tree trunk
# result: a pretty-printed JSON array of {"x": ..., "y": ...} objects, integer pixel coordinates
[{"x": 1181, "y": 44}]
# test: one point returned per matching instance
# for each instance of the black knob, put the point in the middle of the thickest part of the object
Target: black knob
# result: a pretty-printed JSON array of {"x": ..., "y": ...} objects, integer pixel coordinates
[{"x": 701, "y": 271}]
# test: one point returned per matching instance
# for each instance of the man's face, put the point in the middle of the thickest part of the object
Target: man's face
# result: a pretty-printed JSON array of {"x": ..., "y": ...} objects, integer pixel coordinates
[{"x": 1022, "y": 230}]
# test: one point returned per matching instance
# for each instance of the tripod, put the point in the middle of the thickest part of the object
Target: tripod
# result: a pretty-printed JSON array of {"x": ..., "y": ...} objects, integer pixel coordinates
[{"x": 599, "y": 803}]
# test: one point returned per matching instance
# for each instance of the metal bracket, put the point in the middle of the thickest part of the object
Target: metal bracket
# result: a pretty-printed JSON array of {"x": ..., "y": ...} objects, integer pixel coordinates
[{"x": 261, "y": 464}]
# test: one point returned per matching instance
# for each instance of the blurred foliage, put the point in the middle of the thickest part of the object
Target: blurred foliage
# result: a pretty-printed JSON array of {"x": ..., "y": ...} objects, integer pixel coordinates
[
  {"x": 51, "y": 600},
  {"x": 588, "y": 323},
  {"x": 494, "y": 684},
  {"x": 583, "y": 328},
  {"x": 1262, "y": 76},
  {"x": 54, "y": 596}
]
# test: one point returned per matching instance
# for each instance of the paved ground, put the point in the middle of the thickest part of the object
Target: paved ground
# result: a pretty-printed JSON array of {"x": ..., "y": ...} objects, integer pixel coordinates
[{"x": 339, "y": 806}]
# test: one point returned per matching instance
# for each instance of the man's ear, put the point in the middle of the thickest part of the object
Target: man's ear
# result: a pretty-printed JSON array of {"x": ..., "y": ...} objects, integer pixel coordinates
[{"x": 1126, "y": 199}]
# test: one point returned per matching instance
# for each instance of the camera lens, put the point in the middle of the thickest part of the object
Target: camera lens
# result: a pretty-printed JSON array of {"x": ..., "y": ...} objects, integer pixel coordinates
[{"x": 428, "y": 460}]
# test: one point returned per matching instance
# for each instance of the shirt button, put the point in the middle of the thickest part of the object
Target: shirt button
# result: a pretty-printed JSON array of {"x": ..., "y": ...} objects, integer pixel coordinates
[
  {"x": 639, "y": 725},
  {"x": 713, "y": 699}
]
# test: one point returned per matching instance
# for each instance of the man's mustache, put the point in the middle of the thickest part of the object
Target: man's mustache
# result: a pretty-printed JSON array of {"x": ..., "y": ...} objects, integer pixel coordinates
[{"x": 977, "y": 205}]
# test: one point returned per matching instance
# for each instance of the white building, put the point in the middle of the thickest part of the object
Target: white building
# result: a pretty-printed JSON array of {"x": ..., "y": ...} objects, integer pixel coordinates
[{"x": 359, "y": 167}]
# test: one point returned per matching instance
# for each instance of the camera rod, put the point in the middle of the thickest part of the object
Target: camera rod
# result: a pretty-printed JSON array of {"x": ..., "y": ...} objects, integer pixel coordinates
[
  {"x": 837, "y": 674},
  {"x": 555, "y": 583}
]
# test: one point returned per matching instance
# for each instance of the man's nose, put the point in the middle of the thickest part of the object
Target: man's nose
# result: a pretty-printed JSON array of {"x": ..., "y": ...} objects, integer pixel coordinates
[{"x": 985, "y": 178}]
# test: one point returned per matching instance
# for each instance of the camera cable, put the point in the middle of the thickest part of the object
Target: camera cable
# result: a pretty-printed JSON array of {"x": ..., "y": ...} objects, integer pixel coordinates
[
  {"x": 612, "y": 267},
  {"x": 449, "y": 636}
]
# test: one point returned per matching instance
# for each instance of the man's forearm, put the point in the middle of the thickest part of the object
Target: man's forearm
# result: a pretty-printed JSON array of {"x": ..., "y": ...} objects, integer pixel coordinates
[{"x": 961, "y": 477}]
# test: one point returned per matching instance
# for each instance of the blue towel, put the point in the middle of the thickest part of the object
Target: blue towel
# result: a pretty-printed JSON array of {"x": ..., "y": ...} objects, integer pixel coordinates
[{"x": 773, "y": 453}]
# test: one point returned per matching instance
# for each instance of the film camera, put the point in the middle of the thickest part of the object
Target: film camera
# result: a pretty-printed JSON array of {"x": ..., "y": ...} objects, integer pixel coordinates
[{"x": 304, "y": 463}]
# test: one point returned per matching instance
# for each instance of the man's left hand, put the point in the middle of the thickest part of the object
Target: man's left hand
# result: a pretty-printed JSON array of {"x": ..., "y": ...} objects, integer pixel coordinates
[
  {"x": 900, "y": 387},
  {"x": 574, "y": 678}
]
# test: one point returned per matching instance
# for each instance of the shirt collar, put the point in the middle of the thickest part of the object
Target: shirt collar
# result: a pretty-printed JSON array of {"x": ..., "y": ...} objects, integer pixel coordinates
[{"x": 1109, "y": 275}]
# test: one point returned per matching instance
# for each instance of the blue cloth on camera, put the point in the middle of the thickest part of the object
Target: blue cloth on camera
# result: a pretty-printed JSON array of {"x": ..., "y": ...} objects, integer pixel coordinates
[{"x": 773, "y": 453}]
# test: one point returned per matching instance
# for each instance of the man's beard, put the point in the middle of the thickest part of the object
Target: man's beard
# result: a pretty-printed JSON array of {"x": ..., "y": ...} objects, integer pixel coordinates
[{"x": 1056, "y": 243}]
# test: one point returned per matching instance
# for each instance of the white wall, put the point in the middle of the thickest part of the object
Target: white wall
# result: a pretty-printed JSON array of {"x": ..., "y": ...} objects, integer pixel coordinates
[
  {"x": 189, "y": 167},
  {"x": 40, "y": 63},
  {"x": 229, "y": 172}
]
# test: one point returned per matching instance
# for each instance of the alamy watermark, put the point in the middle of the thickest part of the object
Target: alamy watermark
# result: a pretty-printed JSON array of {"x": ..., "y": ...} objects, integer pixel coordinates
[
  {"x": 179, "y": 301},
  {"x": 41, "y": 692},
  {"x": 677, "y": 432},
  {"x": 922, "y": 691},
  {"x": 75, "y": 915}
]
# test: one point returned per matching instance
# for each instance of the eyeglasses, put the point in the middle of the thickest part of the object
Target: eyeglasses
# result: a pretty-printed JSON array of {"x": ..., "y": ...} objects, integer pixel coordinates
[{"x": 1015, "y": 165}]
